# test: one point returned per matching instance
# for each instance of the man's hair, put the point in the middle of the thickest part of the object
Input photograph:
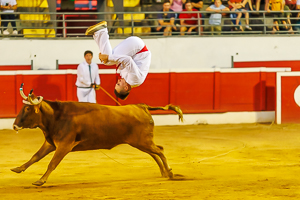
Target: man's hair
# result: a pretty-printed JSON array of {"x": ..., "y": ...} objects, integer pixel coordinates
[
  {"x": 88, "y": 51},
  {"x": 121, "y": 95},
  {"x": 167, "y": 1}
]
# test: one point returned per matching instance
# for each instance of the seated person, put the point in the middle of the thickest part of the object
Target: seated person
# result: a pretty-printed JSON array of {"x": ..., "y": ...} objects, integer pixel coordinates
[
  {"x": 238, "y": 5},
  {"x": 287, "y": 7},
  {"x": 189, "y": 21},
  {"x": 216, "y": 18},
  {"x": 277, "y": 5},
  {"x": 177, "y": 7},
  {"x": 166, "y": 20}
]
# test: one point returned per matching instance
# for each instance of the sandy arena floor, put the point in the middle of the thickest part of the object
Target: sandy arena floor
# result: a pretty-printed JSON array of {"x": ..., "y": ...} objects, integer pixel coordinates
[{"x": 257, "y": 161}]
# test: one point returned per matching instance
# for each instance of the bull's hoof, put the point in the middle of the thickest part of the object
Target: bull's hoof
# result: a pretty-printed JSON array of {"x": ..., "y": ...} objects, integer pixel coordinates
[
  {"x": 170, "y": 174},
  {"x": 39, "y": 183},
  {"x": 164, "y": 175},
  {"x": 17, "y": 170}
]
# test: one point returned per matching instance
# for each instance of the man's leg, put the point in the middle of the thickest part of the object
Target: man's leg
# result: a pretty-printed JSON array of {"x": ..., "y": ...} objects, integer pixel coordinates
[
  {"x": 13, "y": 21},
  {"x": 82, "y": 94},
  {"x": 101, "y": 37},
  {"x": 5, "y": 23},
  {"x": 91, "y": 97},
  {"x": 218, "y": 30}
]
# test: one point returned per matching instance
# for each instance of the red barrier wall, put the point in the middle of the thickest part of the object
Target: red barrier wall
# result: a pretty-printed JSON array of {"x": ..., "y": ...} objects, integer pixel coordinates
[
  {"x": 290, "y": 110},
  {"x": 194, "y": 92},
  {"x": 73, "y": 66},
  {"x": 14, "y": 67},
  {"x": 293, "y": 64},
  {"x": 287, "y": 110}
]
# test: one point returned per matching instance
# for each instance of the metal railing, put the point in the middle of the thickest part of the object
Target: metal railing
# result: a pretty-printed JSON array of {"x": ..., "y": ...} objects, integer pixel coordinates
[{"x": 143, "y": 24}]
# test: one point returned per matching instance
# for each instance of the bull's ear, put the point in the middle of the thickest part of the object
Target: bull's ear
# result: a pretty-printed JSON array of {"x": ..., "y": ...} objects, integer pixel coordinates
[{"x": 36, "y": 109}]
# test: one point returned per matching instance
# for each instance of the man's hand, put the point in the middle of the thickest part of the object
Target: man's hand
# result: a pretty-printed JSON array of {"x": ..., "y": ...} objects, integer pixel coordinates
[
  {"x": 93, "y": 85},
  {"x": 103, "y": 58}
]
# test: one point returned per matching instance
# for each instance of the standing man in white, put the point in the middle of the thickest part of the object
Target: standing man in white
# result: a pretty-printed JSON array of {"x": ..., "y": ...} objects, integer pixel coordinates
[
  {"x": 88, "y": 79},
  {"x": 9, "y": 7},
  {"x": 131, "y": 57}
]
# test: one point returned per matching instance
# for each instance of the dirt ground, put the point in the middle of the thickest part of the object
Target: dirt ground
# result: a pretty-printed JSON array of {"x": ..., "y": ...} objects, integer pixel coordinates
[{"x": 245, "y": 161}]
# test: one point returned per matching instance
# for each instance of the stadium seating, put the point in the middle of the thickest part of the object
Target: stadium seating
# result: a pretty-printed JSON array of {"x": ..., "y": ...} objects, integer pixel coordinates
[
  {"x": 127, "y": 3},
  {"x": 137, "y": 19},
  {"x": 40, "y": 22}
]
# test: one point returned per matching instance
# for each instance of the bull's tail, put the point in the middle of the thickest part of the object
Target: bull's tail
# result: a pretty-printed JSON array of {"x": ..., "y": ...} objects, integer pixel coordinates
[{"x": 168, "y": 107}]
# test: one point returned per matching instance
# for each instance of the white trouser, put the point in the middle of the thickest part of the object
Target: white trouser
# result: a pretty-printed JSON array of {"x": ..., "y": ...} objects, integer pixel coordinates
[
  {"x": 123, "y": 52},
  {"x": 86, "y": 95},
  {"x": 102, "y": 39}
]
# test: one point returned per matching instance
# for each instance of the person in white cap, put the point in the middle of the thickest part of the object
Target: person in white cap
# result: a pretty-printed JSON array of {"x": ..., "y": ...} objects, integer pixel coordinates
[{"x": 131, "y": 57}]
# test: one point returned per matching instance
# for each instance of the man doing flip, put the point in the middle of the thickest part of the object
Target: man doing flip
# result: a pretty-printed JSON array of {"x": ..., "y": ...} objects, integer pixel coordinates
[{"x": 131, "y": 57}]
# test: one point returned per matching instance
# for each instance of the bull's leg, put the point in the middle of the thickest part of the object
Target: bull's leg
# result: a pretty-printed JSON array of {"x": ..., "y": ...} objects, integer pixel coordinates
[
  {"x": 160, "y": 164},
  {"x": 61, "y": 151},
  {"x": 150, "y": 148},
  {"x": 41, "y": 153}
]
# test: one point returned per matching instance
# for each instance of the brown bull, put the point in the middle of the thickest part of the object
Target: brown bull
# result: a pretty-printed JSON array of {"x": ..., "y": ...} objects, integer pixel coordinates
[{"x": 74, "y": 126}]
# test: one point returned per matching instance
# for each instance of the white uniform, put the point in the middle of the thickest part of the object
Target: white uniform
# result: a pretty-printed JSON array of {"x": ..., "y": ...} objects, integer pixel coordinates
[
  {"x": 134, "y": 66},
  {"x": 85, "y": 78}
]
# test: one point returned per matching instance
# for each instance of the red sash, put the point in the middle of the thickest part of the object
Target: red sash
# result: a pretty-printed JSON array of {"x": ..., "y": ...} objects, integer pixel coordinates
[
  {"x": 118, "y": 75},
  {"x": 143, "y": 50}
]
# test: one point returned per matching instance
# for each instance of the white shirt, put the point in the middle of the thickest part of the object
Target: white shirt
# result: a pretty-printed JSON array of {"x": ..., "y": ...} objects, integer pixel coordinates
[
  {"x": 10, "y": 2},
  {"x": 134, "y": 67},
  {"x": 83, "y": 74}
]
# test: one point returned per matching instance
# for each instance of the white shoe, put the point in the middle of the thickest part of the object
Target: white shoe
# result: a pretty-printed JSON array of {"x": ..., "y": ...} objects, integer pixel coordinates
[
  {"x": 15, "y": 32},
  {"x": 5, "y": 32}
]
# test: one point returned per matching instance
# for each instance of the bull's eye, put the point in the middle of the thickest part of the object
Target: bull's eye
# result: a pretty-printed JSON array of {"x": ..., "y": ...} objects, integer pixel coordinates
[{"x": 27, "y": 109}]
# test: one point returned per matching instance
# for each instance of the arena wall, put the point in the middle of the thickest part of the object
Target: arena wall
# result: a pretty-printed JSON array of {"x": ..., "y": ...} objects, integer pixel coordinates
[
  {"x": 207, "y": 96},
  {"x": 190, "y": 72},
  {"x": 287, "y": 97},
  {"x": 167, "y": 53}
]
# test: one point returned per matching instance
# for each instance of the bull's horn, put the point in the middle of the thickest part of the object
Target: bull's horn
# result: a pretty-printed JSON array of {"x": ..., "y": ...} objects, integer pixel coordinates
[
  {"x": 35, "y": 101},
  {"x": 22, "y": 93}
]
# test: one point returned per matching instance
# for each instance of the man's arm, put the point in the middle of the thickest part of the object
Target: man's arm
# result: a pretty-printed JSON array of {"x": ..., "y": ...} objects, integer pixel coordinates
[
  {"x": 162, "y": 23},
  {"x": 182, "y": 22},
  {"x": 103, "y": 58},
  {"x": 282, "y": 5},
  {"x": 211, "y": 9},
  {"x": 268, "y": 7},
  {"x": 198, "y": 5}
]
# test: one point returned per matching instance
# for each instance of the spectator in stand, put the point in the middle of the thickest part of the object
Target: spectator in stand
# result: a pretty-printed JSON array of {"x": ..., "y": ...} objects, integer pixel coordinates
[
  {"x": 166, "y": 20},
  {"x": 291, "y": 4},
  {"x": 287, "y": 15},
  {"x": 176, "y": 6},
  {"x": 189, "y": 21},
  {"x": 297, "y": 27},
  {"x": 216, "y": 18},
  {"x": 88, "y": 79},
  {"x": 238, "y": 5},
  {"x": 9, "y": 7},
  {"x": 277, "y": 5}
]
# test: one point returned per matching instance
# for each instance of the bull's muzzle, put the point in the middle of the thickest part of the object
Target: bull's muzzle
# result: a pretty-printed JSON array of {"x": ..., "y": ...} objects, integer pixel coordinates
[{"x": 16, "y": 127}]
